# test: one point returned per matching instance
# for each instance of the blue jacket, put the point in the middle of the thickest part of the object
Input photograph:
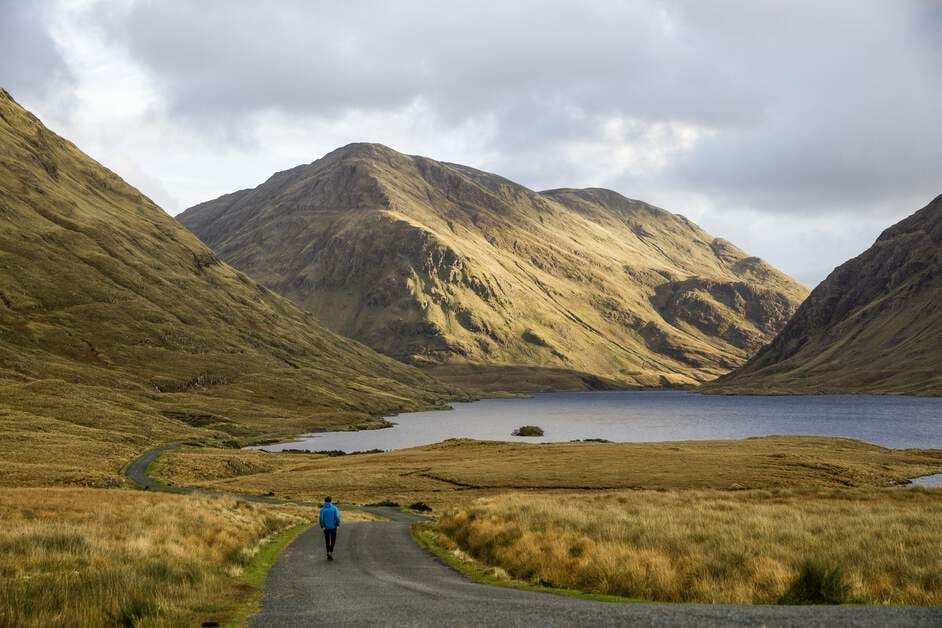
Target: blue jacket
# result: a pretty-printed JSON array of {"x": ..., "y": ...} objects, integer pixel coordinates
[{"x": 330, "y": 517}]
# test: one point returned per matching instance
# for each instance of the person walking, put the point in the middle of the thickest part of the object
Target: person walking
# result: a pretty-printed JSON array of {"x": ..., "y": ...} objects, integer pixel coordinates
[{"x": 329, "y": 521}]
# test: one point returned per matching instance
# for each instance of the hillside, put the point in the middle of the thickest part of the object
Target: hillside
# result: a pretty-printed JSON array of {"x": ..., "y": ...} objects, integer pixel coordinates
[
  {"x": 442, "y": 265},
  {"x": 119, "y": 329},
  {"x": 873, "y": 326}
]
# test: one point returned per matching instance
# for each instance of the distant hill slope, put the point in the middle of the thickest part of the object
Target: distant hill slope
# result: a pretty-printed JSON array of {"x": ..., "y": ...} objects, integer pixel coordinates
[
  {"x": 438, "y": 263},
  {"x": 874, "y": 325},
  {"x": 118, "y": 328}
]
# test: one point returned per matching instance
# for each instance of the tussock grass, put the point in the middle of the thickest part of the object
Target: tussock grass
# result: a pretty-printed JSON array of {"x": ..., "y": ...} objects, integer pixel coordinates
[
  {"x": 859, "y": 545},
  {"x": 91, "y": 557}
]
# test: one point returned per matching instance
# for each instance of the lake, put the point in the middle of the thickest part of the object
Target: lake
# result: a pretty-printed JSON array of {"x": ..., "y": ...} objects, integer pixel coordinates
[
  {"x": 638, "y": 416},
  {"x": 929, "y": 481}
]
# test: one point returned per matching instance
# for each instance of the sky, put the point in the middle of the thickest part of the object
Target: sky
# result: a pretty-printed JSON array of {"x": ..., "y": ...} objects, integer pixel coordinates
[{"x": 798, "y": 130}]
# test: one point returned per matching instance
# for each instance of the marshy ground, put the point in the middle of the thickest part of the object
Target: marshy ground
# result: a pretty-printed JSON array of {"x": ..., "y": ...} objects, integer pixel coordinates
[{"x": 455, "y": 472}]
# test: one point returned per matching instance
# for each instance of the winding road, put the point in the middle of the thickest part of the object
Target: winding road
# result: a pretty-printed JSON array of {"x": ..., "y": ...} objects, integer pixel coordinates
[
  {"x": 381, "y": 577},
  {"x": 136, "y": 471}
]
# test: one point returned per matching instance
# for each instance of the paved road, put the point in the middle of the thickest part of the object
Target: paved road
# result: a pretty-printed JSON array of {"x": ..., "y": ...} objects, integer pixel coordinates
[
  {"x": 137, "y": 472},
  {"x": 381, "y": 577}
]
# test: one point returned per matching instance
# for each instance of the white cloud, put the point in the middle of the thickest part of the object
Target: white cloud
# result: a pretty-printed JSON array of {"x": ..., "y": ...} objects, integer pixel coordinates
[{"x": 797, "y": 130}]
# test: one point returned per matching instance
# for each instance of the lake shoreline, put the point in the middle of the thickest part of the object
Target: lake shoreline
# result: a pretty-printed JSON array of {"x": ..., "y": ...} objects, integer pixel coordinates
[{"x": 648, "y": 415}]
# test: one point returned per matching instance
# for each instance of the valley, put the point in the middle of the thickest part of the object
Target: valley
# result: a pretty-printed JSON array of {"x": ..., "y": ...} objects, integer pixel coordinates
[
  {"x": 873, "y": 325},
  {"x": 121, "y": 332}
]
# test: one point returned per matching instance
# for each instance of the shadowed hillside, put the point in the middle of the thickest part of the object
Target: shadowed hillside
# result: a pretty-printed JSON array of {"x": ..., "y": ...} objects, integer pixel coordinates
[
  {"x": 443, "y": 265},
  {"x": 119, "y": 329},
  {"x": 874, "y": 325}
]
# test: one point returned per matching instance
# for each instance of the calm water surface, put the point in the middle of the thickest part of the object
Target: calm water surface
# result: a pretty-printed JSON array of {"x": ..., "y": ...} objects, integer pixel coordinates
[
  {"x": 637, "y": 416},
  {"x": 931, "y": 481}
]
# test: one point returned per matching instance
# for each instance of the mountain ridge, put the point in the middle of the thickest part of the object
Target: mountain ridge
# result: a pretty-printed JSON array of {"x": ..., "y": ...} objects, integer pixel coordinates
[
  {"x": 873, "y": 325},
  {"x": 119, "y": 329},
  {"x": 442, "y": 264}
]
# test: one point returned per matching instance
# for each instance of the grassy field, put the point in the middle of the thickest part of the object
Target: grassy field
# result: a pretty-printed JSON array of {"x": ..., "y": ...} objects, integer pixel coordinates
[
  {"x": 94, "y": 557},
  {"x": 878, "y": 546},
  {"x": 456, "y": 471}
]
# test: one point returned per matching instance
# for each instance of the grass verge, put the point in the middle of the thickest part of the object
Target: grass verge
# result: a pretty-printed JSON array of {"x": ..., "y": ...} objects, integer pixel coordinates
[
  {"x": 860, "y": 546},
  {"x": 256, "y": 572},
  {"x": 96, "y": 557},
  {"x": 428, "y": 538}
]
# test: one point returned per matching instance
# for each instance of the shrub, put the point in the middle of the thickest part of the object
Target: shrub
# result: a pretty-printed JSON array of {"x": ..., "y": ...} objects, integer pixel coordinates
[
  {"x": 818, "y": 583},
  {"x": 420, "y": 507},
  {"x": 528, "y": 430}
]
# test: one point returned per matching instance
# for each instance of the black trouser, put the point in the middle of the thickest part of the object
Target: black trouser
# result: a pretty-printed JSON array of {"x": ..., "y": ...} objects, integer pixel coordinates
[{"x": 330, "y": 536}]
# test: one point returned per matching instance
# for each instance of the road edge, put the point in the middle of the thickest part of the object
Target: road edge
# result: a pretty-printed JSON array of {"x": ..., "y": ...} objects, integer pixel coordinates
[{"x": 255, "y": 575}]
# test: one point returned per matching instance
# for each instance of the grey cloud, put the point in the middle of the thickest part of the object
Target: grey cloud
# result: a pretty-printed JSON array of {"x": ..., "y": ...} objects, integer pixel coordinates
[
  {"x": 814, "y": 106},
  {"x": 31, "y": 65},
  {"x": 463, "y": 57},
  {"x": 797, "y": 107},
  {"x": 852, "y": 121}
]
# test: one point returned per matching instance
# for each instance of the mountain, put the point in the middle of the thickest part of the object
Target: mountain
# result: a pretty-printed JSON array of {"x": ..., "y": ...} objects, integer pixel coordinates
[
  {"x": 873, "y": 326},
  {"x": 120, "y": 329},
  {"x": 439, "y": 264}
]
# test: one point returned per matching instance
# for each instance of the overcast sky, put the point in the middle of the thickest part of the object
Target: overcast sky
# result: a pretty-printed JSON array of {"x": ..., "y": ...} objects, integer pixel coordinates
[{"x": 797, "y": 130}]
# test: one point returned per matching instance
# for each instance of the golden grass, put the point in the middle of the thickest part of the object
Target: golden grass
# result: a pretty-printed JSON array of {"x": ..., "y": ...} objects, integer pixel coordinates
[
  {"x": 58, "y": 433},
  {"x": 456, "y": 471},
  {"x": 885, "y": 545},
  {"x": 92, "y": 557}
]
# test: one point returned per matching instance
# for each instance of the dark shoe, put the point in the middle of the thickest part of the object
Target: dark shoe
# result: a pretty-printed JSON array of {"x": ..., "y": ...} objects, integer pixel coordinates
[{"x": 329, "y": 557}]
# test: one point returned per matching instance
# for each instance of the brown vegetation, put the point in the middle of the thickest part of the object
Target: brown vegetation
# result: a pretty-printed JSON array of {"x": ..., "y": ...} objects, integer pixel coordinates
[
  {"x": 496, "y": 380},
  {"x": 456, "y": 471},
  {"x": 849, "y": 545},
  {"x": 93, "y": 557}
]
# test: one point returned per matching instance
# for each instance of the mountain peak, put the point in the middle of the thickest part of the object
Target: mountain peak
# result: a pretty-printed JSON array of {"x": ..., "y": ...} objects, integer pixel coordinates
[
  {"x": 433, "y": 262},
  {"x": 363, "y": 150}
]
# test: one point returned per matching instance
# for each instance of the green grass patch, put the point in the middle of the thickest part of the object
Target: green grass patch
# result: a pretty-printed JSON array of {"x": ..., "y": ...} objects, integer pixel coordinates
[
  {"x": 424, "y": 536},
  {"x": 256, "y": 572}
]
